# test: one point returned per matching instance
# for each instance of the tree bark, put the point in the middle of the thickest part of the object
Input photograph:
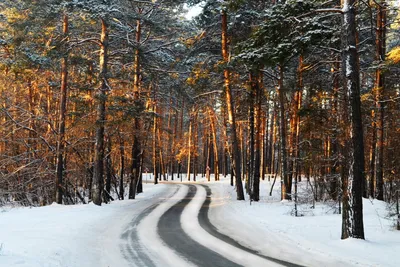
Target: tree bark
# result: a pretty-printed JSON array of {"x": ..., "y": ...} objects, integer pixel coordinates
[
  {"x": 251, "y": 123},
  {"x": 231, "y": 112},
  {"x": 380, "y": 87},
  {"x": 97, "y": 185},
  {"x": 62, "y": 118},
  {"x": 215, "y": 144},
  {"x": 352, "y": 84},
  {"x": 258, "y": 140},
  {"x": 286, "y": 186},
  {"x": 189, "y": 148},
  {"x": 122, "y": 170},
  {"x": 136, "y": 146},
  {"x": 109, "y": 172},
  {"x": 296, "y": 123}
]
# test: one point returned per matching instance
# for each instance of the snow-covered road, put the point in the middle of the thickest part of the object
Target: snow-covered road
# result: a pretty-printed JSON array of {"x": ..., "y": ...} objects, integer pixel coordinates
[
  {"x": 190, "y": 224},
  {"x": 178, "y": 232}
]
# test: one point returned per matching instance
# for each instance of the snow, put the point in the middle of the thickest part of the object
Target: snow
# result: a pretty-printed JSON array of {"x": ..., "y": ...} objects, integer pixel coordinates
[
  {"x": 346, "y": 7},
  {"x": 81, "y": 235},
  {"x": 349, "y": 69},
  {"x": 87, "y": 235}
]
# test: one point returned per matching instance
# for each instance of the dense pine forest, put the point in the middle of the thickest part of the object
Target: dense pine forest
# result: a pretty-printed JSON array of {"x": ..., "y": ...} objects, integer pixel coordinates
[{"x": 94, "y": 94}]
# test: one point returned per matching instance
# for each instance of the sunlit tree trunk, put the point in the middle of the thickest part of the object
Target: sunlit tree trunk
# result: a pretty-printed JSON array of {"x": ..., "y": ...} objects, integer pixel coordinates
[
  {"x": 136, "y": 146},
  {"x": 286, "y": 186},
  {"x": 109, "y": 172},
  {"x": 62, "y": 118},
  {"x": 231, "y": 111},
  {"x": 97, "y": 184},
  {"x": 189, "y": 147},
  {"x": 296, "y": 125},
  {"x": 122, "y": 166},
  {"x": 155, "y": 169},
  {"x": 214, "y": 141},
  {"x": 380, "y": 88}
]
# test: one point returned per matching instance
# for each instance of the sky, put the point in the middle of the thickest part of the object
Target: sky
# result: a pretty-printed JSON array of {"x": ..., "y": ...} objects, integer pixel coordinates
[{"x": 193, "y": 11}]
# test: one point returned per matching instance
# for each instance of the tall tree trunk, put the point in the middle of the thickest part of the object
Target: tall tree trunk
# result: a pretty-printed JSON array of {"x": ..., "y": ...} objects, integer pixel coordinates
[
  {"x": 214, "y": 140},
  {"x": 97, "y": 184},
  {"x": 109, "y": 172},
  {"x": 174, "y": 137},
  {"x": 62, "y": 118},
  {"x": 122, "y": 170},
  {"x": 161, "y": 161},
  {"x": 296, "y": 123},
  {"x": 189, "y": 148},
  {"x": 334, "y": 188},
  {"x": 258, "y": 139},
  {"x": 271, "y": 142},
  {"x": 253, "y": 84},
  {"x": 380, "y": 87},
  {"x": 136, "y": 146},
  {"x": 286, "y": 186},
  {"x": 372, "y": 157},
  {"x": 155, "y": 171},
  {"x": 352, "y": 85},
  {"x": 264, "y": 141},
  {"x": 208, "y": 155},
  {"x": 231, "y": 111}
]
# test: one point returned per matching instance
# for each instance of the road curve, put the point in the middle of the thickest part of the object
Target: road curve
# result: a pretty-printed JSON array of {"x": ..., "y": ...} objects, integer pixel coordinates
[
  {"x": 212, "y": 230},
  {"x": 131, "y": 248},
  {"x": 168, "y": 226},
  {"x": 171, "y": 232}
]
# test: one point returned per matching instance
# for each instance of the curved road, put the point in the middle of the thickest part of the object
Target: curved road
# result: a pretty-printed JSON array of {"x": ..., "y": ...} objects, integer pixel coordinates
[{"x": 171, "y": 233}]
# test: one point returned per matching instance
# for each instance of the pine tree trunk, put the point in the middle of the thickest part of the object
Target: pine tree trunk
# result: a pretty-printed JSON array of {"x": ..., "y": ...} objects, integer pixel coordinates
[
  {"x": 264, "y": 141},
  {"x": 380, "y": 87},
  {"x": 122, "y": 171},
  {"x": 296, "y": 125},
  {"x": 258, "y": 141},
  {"x": 109, "y": 172},
  {"x": 136, "y": 146},
  {"x": 214, "y": 140},
  {"x": 62, "y": 118},
  {"x": 161, "y": 161},
  {"x": 253, "y": 88},
  {"x": 155, "y": 172},
  {"x": 97, "y": 185},
  {"x": 352, "y": 85},
  {"x": 334, "y": 188},
  {"x": 286, "y": 186},
  {"x": 208, "y": 155},
  {"x": 189, "y": 148},
  {"x": 231, "y": 112},
  {"x": 271, "y": 142}
]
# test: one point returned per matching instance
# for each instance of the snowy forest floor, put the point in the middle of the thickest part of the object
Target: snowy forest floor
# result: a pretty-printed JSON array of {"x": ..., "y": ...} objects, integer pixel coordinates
[{"x": 87, "y": 235}]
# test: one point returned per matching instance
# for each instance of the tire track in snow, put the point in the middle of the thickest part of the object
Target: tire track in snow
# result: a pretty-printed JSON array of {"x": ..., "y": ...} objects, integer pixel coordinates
[
  {"x": 132, "y": 249},
  {"x": 206, "y": 224},
  {"x": 171, "y": 231}
]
